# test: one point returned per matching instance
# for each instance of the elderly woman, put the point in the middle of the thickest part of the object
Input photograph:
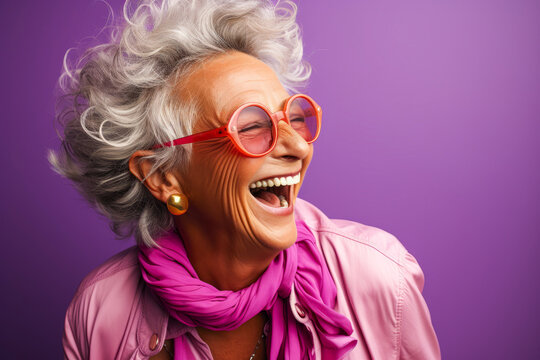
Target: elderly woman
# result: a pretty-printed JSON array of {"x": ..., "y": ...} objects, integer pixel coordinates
[{"x": 186, "y": 130}]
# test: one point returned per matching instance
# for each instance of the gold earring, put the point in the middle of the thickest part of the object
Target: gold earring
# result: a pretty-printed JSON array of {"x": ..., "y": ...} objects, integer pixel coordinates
[{"x": 177, "y": 204}]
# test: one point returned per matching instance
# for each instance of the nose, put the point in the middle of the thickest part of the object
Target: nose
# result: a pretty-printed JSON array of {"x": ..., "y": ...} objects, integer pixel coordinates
[{"x": 290, "y": 145}]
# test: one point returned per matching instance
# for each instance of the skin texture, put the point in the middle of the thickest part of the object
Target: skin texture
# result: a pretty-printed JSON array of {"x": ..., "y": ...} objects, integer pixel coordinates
[{"x": 230, "y": 238}]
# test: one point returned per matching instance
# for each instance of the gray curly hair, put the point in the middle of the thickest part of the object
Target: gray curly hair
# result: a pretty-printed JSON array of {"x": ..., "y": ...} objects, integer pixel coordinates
[{"x": 119, "y": 96}]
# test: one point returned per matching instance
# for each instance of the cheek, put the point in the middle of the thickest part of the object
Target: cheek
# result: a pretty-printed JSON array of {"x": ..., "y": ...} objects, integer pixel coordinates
[
  {"x": 305, "y": 165},
  {"x": 218, "y": 177},
  {"x": 212, "y": 172},
  {"x": 219, "y": 192},
  {"x": 307, "y": 159}
]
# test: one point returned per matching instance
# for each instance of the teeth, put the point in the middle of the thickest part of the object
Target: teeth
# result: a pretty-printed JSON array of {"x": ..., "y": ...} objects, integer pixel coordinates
[
  {"x": 289, "y": 180},
  {"x": 282, "y": 181},
  {"x": 283, "y": 202}
]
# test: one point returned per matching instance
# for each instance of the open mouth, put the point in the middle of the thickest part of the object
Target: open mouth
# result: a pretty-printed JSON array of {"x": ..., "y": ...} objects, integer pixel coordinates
[{"x": 275, "y": 191}]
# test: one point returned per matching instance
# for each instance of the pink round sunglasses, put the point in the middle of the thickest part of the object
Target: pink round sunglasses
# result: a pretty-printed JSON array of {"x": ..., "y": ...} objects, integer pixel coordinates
[{"x": 253, "y": 129}]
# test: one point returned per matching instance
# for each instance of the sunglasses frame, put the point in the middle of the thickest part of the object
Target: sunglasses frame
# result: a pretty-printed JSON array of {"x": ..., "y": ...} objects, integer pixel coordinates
[{"x": 232, "y": 134}]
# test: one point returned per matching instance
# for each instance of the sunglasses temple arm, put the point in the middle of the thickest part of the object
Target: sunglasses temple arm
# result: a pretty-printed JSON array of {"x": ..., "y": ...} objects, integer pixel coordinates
[{"x": 202, "y": 136}]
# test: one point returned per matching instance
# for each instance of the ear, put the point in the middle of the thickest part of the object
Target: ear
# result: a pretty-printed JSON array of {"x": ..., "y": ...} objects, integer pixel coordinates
[{"x": 160, "y": 185}]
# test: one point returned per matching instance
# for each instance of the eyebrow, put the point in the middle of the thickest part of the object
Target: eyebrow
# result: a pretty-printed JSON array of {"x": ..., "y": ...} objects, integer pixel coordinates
[{"x": 246, "y": 95}]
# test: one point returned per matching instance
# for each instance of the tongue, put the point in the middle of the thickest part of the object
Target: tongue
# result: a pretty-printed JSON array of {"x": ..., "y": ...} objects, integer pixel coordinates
[{"x": 268, "y": 198}]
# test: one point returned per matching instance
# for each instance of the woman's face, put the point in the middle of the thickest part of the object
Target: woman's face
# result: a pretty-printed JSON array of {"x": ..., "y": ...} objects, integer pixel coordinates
[{"x": 218, "y": 178}]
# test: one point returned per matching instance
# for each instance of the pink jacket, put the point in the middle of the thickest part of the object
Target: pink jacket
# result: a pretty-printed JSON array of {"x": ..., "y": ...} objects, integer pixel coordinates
[{"x": 113, "y": 315}]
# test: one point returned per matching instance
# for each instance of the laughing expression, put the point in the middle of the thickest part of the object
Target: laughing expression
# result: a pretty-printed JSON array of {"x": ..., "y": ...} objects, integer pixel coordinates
[{"x": 249, "y": 199}]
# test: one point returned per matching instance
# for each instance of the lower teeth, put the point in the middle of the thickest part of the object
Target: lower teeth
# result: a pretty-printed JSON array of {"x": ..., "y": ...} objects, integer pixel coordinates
[{"x": 283, "y": 202}]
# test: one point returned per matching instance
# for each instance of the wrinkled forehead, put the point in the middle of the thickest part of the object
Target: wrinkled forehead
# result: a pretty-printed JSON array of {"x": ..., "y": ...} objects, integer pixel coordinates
[{"x": 223, "y": 83}]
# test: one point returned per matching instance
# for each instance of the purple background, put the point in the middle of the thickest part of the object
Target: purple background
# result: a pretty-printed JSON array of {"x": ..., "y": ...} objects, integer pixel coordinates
[{"x": 431, "y": 125}]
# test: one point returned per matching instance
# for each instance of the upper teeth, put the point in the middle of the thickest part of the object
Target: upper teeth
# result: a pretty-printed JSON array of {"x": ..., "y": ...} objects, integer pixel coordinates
[{"x": 271, "y": 182}]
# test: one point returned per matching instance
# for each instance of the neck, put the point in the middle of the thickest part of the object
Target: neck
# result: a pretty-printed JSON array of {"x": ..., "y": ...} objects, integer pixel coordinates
[{"x": 223, "y": 258}]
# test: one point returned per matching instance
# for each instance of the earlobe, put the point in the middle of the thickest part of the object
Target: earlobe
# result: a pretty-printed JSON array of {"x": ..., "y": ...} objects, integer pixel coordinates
[{"x": 160, "y": 185}]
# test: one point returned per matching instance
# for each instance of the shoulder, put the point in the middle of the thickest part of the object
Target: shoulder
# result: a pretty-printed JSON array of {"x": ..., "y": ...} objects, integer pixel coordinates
[
  {"x": 118, "y": 275},
  {"x": 354, "y": 243},
  {"x": 367, "y": 264},
  {"x": 379, "y": 285},
  {"x": 103, "y": 307}
]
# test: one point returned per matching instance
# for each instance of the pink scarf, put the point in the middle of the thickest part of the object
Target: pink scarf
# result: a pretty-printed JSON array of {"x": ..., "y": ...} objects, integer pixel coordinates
[{"x": 169, "y": 274}]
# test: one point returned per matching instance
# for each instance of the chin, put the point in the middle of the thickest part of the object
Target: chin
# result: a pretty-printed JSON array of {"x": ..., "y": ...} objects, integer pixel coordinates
[{"x": 276, "y": 237}]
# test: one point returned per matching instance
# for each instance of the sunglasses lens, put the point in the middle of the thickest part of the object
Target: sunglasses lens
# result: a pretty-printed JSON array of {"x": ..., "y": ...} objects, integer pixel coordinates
[
  {"x": 303, "y": 118},
  {"x": 254, "y": 130}
]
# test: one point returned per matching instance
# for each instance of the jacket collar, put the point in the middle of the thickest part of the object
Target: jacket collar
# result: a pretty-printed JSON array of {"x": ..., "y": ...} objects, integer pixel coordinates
[{"x": 154, "y": 324}]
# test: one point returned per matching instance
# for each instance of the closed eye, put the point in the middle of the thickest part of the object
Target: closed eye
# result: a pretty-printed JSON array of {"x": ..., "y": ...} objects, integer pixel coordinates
[
  {"x": 256, "y": 126},
  {"x": 249, "y": 128}
]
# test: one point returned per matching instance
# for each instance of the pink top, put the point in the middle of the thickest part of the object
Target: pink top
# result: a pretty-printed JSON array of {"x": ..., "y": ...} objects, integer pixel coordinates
[{"x": 114, "y": 315}]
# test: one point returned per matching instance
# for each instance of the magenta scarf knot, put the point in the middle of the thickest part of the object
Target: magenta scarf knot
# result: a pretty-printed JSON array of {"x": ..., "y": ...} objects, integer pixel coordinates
[{"x": 169, "y": 274}]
